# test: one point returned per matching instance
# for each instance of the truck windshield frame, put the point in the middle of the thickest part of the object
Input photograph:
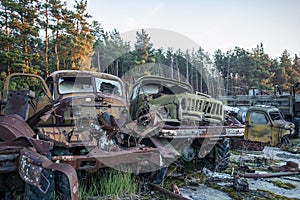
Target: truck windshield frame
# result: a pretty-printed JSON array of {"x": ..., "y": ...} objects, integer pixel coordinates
[{"x": 276, "y": 116}]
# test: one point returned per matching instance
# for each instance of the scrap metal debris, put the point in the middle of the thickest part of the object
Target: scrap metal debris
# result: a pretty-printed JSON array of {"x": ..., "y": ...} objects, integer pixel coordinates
[
  {"x": 290, "y": 166},
  {"x": 269, "y": 175},
  {"x": 167, "y": 192}
]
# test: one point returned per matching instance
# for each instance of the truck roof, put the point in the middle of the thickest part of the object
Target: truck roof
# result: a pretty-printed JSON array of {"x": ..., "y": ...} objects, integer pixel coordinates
[
  {"x": 83, "y": 72},
  {"x": 264, "y": 108},
  {"x": 158, "y": 79}
]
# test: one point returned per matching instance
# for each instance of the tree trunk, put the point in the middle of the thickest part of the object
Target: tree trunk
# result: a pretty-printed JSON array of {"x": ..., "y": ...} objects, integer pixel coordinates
[
  {"x": 98, "y": 60},
  {"x": 8, "y": 44},
  {"x": 117, "y": 67},
  {"x": 56, "y": 56},
  {"x": 46, "y": 41},
  {"x": 187, "y": 68}
]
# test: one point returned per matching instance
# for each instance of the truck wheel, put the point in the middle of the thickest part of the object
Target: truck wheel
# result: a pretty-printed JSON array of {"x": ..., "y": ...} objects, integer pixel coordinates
[
  {"x": 62, "y": 186},
  {"x": 11, "y": 186},
  {"x": 219, "y": 157},
  {"x": 33, "y": 193}
]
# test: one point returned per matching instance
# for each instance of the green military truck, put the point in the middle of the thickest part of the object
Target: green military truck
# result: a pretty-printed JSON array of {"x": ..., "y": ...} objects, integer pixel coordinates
[{"x": 194, "y": 125}]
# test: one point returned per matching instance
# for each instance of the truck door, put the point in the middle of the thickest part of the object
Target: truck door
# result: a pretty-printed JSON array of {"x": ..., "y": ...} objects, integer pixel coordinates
[
  {"x": 24, "y": 94},
  {"x": 257, "y": 127}
]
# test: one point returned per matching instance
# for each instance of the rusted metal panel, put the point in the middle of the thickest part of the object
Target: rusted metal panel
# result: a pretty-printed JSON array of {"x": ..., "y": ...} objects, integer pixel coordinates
[
  {"x": 17, "y": 103},
  {"x": 168, "y": 192},
  {"x": 21, "y": 155},
  {"x": 42, "y": 147},
  {"x": 31, "y": 166},
  {"x": 14, "y": 126},
  {"x": 98, "y": 158},
  {"x": 269, "y": 175}
]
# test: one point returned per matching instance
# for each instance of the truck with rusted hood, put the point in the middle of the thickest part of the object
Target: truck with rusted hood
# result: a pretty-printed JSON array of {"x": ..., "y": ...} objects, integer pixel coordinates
[
  {"x": 194, "y": 123},
  {"x": 85, "y": 115},
  {"x": 89, "y": 123}
]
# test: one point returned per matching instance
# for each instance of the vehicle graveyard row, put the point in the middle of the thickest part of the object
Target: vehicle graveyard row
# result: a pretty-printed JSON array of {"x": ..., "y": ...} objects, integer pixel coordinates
[{"x": 89, "y": 124}]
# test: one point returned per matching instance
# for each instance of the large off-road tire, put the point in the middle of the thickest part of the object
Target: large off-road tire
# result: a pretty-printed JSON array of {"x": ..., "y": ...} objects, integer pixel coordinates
[
  {"x": 219, "y": 157},
  {"x": 11, "y": 186},
  {"x": 62, "y": 186},
  {"x": 33, "y": 193}
]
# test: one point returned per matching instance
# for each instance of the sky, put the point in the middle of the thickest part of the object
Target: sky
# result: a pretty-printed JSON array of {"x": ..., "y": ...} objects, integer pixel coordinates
[{"x": 211, "y": 24}]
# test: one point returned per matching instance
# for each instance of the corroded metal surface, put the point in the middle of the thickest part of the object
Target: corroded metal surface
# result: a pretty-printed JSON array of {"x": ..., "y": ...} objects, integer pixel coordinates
[
  {"x": 24, "y": 155},
  {"x": 98, "y": 158},
  {"x": 167, "y": 192},
  {"x": 14, "y": 126}
]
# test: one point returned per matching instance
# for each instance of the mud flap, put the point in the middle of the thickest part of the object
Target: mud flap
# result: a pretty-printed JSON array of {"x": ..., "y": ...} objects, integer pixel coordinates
[
  {"x": 31, "y": 166},
  {"x": 30, "y": 170}
]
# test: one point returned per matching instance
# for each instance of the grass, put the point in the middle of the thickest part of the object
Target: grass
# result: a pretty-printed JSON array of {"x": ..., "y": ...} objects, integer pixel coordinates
[{"x": 110, "y": 184}]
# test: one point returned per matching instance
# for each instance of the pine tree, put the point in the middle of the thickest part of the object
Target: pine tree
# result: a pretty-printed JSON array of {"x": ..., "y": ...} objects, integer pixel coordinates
[
  {"x": 296, "y": 69},
  {"x": 81, "y": 37},
  {"x": 57, "y": 16},
  {"x": 5, "y": 40},
  {"x": 291, "y": 71},
  {"x": 143, "y": 51}
]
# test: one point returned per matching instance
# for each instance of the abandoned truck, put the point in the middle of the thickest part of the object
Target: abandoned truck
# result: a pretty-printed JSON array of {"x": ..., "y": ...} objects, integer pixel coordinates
[
  {"x": 88, "y": 127},
  {"x": 82, "y": 114},
  {"x": 288, "y": 103},
  {"x": 264, "y": 125},
  {"x": 25, "y": 169},
  {"x": 193, "y": 123}
]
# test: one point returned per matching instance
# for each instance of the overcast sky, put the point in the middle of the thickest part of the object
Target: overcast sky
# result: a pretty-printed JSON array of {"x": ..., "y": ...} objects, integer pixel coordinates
[{"x": 212, "y": 24}]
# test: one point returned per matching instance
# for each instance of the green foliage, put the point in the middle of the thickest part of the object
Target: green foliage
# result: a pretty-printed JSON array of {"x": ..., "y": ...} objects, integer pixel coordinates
[
  {"x": 243, "y": 69},
  {"x": 108, "y": 185},
  {"x": 143, "y": 52},
  {"x": 72, "y": 42},
  {"x": 24, "y": 22}
]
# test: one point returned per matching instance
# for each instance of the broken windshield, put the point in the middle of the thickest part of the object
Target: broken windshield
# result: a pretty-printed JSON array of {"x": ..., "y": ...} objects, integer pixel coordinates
[
  {"x": 108, "y": 86},
  {"x": 85, "y": 84}
]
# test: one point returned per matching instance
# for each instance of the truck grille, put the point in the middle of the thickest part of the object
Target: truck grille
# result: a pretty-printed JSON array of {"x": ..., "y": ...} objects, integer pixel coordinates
[{"x": 195, "y": 107}]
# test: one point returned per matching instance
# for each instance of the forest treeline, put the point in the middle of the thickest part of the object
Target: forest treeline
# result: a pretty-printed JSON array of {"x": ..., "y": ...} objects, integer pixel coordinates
[{"x": 42, "y": 36}]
